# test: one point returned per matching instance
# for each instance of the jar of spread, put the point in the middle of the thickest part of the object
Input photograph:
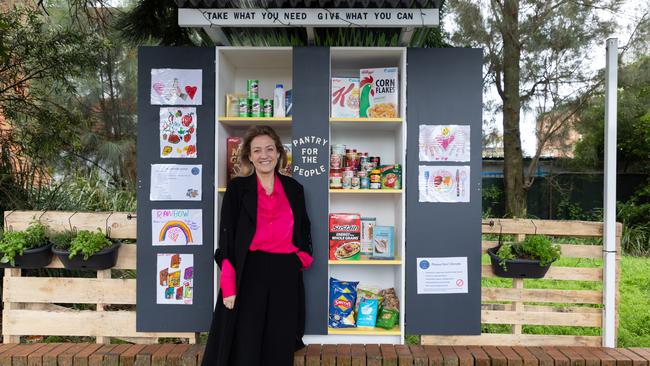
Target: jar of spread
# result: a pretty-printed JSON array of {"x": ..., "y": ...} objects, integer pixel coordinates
[{"x": 375, "y": 179}]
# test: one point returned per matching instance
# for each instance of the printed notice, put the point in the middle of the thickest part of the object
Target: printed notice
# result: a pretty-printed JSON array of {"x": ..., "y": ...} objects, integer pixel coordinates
[
  {"x": 175, "y": 182},
  {"x": 442, "y": 275}
]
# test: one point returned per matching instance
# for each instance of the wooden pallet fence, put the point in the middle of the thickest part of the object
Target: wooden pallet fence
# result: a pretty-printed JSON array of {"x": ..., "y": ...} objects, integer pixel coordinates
[
  {"x": 521, "y": 305},
  {"x": 29, "y": 302}
]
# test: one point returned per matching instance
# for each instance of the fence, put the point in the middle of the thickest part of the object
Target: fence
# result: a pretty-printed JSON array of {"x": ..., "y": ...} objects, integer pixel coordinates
[
  {"x": 521, "y": 305},
  {"x": 30, "y": 302}
]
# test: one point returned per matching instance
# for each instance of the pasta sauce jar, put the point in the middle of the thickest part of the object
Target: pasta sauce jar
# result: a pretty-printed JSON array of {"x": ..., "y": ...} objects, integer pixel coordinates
[
  {"x": 375, "y": 179},
  {"x": 336, "y": 179}
]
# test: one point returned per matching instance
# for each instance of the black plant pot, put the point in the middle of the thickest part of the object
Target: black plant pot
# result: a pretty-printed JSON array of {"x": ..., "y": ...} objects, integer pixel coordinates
[
  {"x": 104, "y": 259},
  {"x": 32, "y": 258},
  {"x": 517, "y": 268}
]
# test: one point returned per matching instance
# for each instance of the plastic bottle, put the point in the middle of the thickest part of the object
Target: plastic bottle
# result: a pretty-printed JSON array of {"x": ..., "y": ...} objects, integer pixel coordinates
[{"x": 278, "y": 101}]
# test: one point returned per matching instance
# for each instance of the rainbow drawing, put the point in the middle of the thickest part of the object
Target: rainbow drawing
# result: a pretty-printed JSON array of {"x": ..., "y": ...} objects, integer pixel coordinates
[{"x": 176, "y": 224}]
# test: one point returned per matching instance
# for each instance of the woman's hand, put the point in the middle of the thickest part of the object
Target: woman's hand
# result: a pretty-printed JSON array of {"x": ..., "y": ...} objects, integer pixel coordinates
[{"x": 229, "y": 302}]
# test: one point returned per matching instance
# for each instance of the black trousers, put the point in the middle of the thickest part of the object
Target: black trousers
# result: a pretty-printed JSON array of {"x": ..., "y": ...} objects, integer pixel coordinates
[{"x": 267, "y": 304}]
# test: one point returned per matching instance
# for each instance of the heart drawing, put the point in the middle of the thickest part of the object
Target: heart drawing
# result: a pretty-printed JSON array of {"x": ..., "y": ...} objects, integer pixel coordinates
[
  {"x": 191, "y": 91},
  {"x": 446, "y": 141}
]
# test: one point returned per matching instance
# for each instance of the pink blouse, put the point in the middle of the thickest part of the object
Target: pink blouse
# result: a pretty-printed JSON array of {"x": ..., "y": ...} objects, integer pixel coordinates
[{"x": 273, "y": 233}]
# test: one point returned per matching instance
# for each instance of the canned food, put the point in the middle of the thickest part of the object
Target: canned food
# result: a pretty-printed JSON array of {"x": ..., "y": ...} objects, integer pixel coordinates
[
  {"x": 268, "y": 108},
  {"x": 376, "y": 160},
  {"x": 375, "y": 179},
  {"x": 336, "y": 179},
  {"x": 348, "y": 172},
  {"x": 338, "y": 149},
  {"x": 364, "y": 182},
  {"x": 336, "y": 161},
  {"x": 350, "y": 158},
  {"x": 252, "y": 87},
  {"x": 346, "y": 182},
  {"x": 256, "y": 107},
  {"x": 356, "y": 183},
  {"x": 375, "y": 185},
  {"x": 244, "y": 107}
]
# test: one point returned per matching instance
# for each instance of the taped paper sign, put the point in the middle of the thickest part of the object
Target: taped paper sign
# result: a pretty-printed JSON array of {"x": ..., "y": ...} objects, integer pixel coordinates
[
  {"x": 443, "y": 183},
  {"x": 176, "y": 86},
  {"x": 177, "y": 227},
  {"x": 178, "y": 132},
  {"x": 175, "y": 279},
  {"x": 444, "y": 142},
  {"x": 175, "y": 182}
]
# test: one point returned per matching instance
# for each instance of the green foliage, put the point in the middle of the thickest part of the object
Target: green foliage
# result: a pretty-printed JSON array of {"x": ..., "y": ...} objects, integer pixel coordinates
[
  {"x": 635, "y": 216},
  {"x": 62, "y": 240},
  {"x": 15, "y": 243},
  {"x": 88, "y": 243},
  {"x": 536, "y": 247}
]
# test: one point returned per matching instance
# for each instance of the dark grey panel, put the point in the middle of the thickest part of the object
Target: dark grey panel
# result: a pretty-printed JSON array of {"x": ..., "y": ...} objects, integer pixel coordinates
[
  {"x": 174, "y": 318},
  {"x": 308, "y": 4},
  {"x": 311, "y": 73},
  {"x": 443, "y": 87}
]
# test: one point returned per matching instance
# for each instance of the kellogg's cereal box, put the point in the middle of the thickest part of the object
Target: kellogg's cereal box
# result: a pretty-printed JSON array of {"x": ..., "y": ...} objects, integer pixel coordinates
[
  {"x": 233, "y": 145},
  {"x": 345, "y": 235},
  {"x": 345, "y": 97},
  {"x": 379, "y": 93}
]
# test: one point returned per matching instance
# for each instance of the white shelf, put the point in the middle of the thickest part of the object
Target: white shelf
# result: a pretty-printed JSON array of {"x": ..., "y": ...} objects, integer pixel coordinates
[
  {"x": 365, "y": 191},
  {"x": 388, "y": 124},
  {"x": 250, "y": 121},
  {"x": 364, "y": 261},
  {"x": 364, "y": 331}
]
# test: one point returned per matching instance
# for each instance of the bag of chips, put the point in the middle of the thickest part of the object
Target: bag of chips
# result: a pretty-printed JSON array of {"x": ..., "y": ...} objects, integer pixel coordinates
[
  {"x": 390, "y": 301},
  {"x": 343, "y": 296},
  {"x": 367, "y": 316},
  {"x": 387, "y": 319},
  {"x": 366, "y": 292}
]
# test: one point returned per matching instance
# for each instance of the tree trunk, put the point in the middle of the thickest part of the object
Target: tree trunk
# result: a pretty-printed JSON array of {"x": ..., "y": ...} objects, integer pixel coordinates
[{"x": 513, "y": 171}]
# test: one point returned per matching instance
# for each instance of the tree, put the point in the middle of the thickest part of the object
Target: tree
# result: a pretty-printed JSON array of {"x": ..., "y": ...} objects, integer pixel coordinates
[{"x": 535, "y": 52}]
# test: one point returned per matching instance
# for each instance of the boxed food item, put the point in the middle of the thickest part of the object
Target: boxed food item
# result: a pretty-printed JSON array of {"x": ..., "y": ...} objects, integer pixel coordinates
[
  {"x": 344, "y": 230},
  {"x": 391, "y": 176},
  {"x": 287, "y": 169},
  {"x": 233, "y": 145},
  {"x": 288, "y": 105},
  {"x": 383, "y": 242},
  {"x": 343, "y": 296},
  {"x": 379, "y": 93},
  {"x": 367, "y": 227},
  {"x": 232, "y": 104},
  {"x": 345, "y": 97}
]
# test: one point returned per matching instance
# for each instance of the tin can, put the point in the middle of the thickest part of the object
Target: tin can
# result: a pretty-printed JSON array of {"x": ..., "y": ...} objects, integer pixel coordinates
[
  {"x": 348, "y": 172},
  {"x": 256, "y": 107},
  {"x": 244, "y": 107},
  {"x": 338, "y": 149},
  {"x": 268, "y": 108},
  {"x": 363, "y": 162},
  {"x": 364, "y": 182},
  {"x": 346, "y": 182},
  {"x": 350, "y": 158},
  {"x": 336, "y": 179},
  {"x": 336, "y": 161},
  {"x": 376, "y": 161},
  {"x": 252, "y": 87},
  {"x": 375, "y": 185},
  {"x": 355, "y": 183},
  {"x": 375, "y": 179}
]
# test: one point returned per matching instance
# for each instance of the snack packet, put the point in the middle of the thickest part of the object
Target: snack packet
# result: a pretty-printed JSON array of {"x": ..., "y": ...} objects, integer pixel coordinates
[
  {"x": 343, "y": 296},
  {"x": 387, "y": 318},
  {"x": 367, "y": 316}
]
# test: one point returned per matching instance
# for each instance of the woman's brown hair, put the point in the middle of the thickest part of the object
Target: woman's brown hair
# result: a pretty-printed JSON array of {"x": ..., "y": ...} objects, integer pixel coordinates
[{"x": 245, "y": 164}]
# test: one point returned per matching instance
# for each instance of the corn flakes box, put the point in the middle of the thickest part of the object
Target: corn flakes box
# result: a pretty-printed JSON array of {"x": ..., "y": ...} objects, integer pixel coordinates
[
  {"x": 379, "y": 93},
  {"x": 345, "y": 97}
]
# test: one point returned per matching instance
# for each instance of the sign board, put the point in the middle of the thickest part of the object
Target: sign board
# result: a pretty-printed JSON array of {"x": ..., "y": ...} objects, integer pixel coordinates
[{"x": 322, "y": 18}]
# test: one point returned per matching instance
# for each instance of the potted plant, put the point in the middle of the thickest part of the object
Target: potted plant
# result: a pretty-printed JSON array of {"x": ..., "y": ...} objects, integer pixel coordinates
[
  {"x": 530, "y": 258},
  {"x": 25, "y": 249},
  {"x": 85, "y": 249}
]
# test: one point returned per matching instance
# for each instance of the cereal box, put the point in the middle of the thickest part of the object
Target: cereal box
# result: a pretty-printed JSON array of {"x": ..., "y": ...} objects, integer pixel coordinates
[
  {"x": 344, "y": 230},
  {"x": 345, "y": 97},
  {"x": 391, "y": 176},
  {"x": 383, "y": 242},
  {"x": 233, "y": 144},
  {"x": 367, "y": 227},
  {"x": 379, "y": 93}
]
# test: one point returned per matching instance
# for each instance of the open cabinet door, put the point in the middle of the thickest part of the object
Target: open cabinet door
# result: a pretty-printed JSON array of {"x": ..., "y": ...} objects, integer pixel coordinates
[{"x": 443, "y": 195}]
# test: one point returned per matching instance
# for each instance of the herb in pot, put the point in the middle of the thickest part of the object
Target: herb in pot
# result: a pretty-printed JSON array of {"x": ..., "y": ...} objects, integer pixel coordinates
[
  {"x": 88, "y": 243},
  {"x": 14, "y": 243},
  {"x": 533, "y": 247}
]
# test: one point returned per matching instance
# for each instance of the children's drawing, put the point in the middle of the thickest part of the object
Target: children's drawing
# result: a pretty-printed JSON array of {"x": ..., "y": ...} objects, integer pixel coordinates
[
  {"x": 178, "y": 132},
  {"x": 176, "y": 227},
  {"x": 175, "y": 278},
  {"x": 444, "y": 142},
  {"x": 443, "y": 183},
  {"x": 176, "y": 86}
]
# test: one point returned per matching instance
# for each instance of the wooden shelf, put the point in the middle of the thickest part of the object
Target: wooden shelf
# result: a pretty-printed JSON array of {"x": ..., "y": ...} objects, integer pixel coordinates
[
  {"x": 366, "y": 191},
  {"x": 366, "y": 120},
  {"x": 366, "y": 261},
  {"x": 248, "y": 121},
  {"x": 364, "y": 331},
  {"x": 389, "y": 124}
]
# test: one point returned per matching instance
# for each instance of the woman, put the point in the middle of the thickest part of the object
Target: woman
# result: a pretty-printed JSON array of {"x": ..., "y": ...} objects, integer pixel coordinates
[{"x": 264, "y": 244}]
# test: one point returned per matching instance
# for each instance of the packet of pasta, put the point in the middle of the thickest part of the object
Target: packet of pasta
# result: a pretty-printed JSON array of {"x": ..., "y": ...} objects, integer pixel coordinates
[{"x": 379, "y": 93}]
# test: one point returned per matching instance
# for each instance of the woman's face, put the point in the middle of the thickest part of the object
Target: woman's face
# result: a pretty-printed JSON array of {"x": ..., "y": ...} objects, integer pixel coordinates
[{"x": 264, "y": 155}]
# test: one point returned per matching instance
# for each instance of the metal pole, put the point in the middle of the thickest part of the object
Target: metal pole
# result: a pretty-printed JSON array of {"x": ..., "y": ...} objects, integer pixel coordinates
[{"x": 609, "y": 233}]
